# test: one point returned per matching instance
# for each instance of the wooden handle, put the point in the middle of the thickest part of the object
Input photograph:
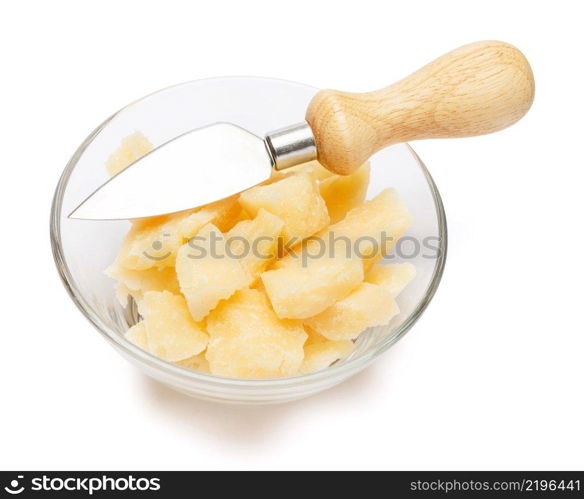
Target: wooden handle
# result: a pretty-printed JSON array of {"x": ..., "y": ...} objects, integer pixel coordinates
[{"x": 474, "y": 90}]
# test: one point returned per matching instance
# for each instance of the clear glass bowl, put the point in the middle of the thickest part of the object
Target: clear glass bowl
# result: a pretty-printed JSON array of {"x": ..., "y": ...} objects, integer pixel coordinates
[{"x": 83, "y": 249}]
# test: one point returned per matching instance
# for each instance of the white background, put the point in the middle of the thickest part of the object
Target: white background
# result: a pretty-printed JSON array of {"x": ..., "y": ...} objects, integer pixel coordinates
[{"x": 492, "y": 375}]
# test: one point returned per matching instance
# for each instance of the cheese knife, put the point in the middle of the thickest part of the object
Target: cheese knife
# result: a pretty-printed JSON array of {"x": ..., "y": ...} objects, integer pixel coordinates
[{"x": 476, "y": 89}]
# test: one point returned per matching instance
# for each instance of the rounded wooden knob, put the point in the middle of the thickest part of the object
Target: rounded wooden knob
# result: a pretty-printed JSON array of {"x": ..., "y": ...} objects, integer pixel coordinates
[{"x": 474, "y": 90}]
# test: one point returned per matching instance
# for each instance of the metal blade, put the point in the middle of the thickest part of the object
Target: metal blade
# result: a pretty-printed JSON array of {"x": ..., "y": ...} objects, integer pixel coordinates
[{"x": 197, "y": 168}]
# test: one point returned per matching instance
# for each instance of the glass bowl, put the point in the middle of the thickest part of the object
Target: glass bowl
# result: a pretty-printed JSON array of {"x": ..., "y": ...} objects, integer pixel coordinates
[{"x": 84, "y": 249}]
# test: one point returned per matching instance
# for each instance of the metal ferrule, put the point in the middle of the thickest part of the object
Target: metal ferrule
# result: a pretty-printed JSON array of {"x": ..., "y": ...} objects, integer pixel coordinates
[{"x": 291, "y": 146}]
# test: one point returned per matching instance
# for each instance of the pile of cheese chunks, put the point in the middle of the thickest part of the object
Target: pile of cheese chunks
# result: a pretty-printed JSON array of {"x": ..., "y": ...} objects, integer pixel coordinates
[{"x": 295, "y": 304}]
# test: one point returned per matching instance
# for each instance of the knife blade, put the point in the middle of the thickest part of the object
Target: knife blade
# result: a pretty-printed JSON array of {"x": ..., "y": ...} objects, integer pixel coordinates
[{"x": 196, "y": 168}]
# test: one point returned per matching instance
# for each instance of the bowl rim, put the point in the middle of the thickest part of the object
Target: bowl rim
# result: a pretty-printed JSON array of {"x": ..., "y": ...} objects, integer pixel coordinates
[{"x": 189, "y": 375}]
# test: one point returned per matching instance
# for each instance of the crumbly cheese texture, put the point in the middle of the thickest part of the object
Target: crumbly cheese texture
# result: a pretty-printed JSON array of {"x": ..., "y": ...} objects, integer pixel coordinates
[
  {"x": 393, "y": 276},
  {"x": 295, "y": 199},
  {"x": 248, "y": 340},
  {"x": 207, "y": 273},
  {"x": 371, "y": 304},
  {"x": 171, "y": 332},
  {"x": 195, "y": 363},
  {"x": 261, "y": 285},
  {"x": 156, "y": 243},
  {"x": 367, "y": 306},
  {"x": 319, "y": 356},
  {"x": 136, "y": 282},
  {"x": 137, "y": 335},
  {"x": 343, "y": 193},
  {"x": 255, "y": 242},
  {"x": 304, "y": 290},
  {"x": 132, "y": 148}
]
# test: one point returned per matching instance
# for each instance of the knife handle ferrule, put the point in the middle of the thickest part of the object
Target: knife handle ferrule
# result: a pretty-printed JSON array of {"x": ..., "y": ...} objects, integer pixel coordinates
[{"x": 291, "y": 146}]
